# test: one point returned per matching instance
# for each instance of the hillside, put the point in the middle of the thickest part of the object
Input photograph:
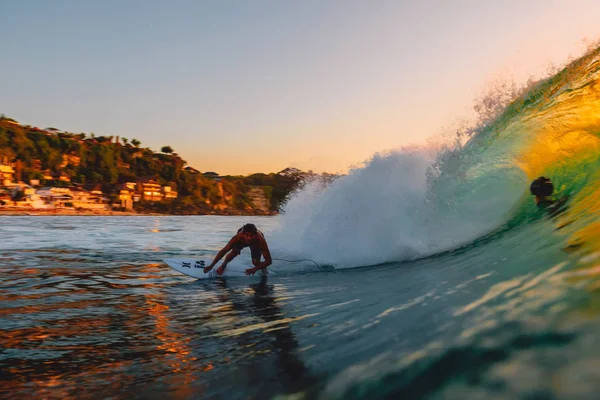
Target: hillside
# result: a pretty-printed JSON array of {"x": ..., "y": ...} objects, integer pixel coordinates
[{"x": 58, "y": 158}]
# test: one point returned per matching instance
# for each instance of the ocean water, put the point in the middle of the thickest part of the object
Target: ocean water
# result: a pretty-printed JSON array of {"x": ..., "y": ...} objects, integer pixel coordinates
[
  {"x": 437, "y": 277},
  {"x": 89, "y": 311}
]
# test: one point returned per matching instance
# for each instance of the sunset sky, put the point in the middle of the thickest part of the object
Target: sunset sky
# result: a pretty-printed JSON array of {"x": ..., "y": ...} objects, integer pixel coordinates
[{"x": 257, "y": 86}]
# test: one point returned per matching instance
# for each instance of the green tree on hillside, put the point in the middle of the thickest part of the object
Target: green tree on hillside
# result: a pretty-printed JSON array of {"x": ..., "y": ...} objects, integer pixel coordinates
[{"x": 103, "y": 162}]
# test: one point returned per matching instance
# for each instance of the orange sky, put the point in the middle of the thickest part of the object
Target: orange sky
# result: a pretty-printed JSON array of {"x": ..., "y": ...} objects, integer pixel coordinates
[{"x": 315, "y": 85}]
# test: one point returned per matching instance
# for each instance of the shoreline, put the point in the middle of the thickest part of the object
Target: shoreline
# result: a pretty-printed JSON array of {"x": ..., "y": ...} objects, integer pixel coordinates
[
  {"x": 65, "y": 212},
  {"x": 24, "y": 212}
]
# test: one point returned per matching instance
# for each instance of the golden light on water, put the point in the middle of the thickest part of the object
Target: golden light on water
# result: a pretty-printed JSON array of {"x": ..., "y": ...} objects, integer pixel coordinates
[{"x": 566, "y": 131}]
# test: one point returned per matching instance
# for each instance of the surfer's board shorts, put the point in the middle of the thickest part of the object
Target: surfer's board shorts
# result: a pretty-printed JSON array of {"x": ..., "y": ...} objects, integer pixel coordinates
[{"x": 254, "y": 251}]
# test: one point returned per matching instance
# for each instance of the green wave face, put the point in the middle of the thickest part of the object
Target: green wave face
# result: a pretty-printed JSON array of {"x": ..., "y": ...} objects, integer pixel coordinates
[{"x": 551, "y": 130}]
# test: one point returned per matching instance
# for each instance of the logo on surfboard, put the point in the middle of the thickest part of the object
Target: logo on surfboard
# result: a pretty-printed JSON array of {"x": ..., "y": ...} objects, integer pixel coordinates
[{"x": 197, "y": 264}]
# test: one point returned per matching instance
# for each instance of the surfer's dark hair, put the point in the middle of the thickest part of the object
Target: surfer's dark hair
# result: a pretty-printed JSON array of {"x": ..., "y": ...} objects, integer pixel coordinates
[
  {"x": 249, "y": 228},
  {"x": 541, "y": 187}
]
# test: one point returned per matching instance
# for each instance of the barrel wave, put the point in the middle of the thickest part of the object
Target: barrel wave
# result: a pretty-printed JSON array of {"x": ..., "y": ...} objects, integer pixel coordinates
[{"x": 417, "y": 202}]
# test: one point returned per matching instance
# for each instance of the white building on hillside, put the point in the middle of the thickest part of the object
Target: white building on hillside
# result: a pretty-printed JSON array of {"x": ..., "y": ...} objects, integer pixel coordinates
[{"x": 7, "y": 174}]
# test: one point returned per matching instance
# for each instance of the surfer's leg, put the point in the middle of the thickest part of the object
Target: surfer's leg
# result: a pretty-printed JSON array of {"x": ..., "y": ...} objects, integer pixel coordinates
[{"x": 255, "y": 254}]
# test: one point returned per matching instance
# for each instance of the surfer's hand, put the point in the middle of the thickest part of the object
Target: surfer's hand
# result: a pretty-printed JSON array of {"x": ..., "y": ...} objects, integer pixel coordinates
[
  {"x": 251, "y": 271},
  {"x": 207, "y": 269}
]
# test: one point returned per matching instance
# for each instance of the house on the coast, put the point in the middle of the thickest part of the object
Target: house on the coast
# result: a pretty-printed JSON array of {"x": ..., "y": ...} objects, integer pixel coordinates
[
  {"x": 74, "y": 197},
  {"x": 55, "y": 196},
  {"x": 212, "y": 175},
  {"x": 7, "y": 171},
  {"x": 126, "y": 197},
  {"x": 86, "y": 199},
  {"x": 133, "y": 186},
  {"x": 27, "y": 196},
  {"x": 169, "y": 193},
  {"x": 5, "y": 197},
  {"x": 151, "y": 191},
  {"x": 7, "y": 174},
  {"x": 98, "y": 197}
]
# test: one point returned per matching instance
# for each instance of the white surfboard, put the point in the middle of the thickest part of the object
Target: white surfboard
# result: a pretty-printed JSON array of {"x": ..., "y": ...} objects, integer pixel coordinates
[{"x": 195, "y": 268}]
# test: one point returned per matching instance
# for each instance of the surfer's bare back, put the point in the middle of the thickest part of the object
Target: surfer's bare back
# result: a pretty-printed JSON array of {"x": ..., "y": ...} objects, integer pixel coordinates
[{"x": 247, "y": 236}]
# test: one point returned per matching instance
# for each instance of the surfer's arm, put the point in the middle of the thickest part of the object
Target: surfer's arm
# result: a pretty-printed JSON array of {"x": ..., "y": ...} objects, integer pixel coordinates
[{"x": 223, "y": 251}]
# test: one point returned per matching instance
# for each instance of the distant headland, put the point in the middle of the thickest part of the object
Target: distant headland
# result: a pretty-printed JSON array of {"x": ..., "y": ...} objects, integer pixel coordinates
[{"x": 53, "y": 172}]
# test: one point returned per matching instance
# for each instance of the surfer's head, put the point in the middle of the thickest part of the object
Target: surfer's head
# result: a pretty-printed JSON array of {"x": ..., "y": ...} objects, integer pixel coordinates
[
  {"x": 541, "y": 187},
  {"x": 249, "y": 228},
  {"x": 249, "y": 231}
]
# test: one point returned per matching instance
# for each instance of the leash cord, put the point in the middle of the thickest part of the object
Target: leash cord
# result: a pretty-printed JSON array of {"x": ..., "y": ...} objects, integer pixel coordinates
[{"x": 293, "y": 261}]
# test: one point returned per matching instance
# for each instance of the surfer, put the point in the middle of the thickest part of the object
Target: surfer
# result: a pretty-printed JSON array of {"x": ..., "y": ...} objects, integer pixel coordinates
[
  {"x": 542, "y": 188},
  {"x": 247, "y": 236}
]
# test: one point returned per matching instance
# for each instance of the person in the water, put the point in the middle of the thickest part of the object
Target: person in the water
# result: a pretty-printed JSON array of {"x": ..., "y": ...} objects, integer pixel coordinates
[
  {"x": 542, "y": 188},
  {"x": 247, "y": 236}
]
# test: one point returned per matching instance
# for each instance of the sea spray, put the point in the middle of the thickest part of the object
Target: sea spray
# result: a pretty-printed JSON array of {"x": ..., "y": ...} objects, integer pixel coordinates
[
  {"x": 410, "y": 202},
  {"x": 392, "y": 209},
  {"x": 365, "y": 217}
]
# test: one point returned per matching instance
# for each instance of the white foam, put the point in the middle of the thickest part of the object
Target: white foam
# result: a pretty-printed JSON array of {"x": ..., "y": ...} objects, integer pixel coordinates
[{"x": 394, "y": 209}]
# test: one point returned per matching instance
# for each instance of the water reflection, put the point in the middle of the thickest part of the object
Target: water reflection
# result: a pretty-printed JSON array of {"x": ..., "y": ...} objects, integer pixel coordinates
[
  {"x": 269, "y": 362},
  {"x": 77, "y": 333},
  {"x": 289, "y": 363}
]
